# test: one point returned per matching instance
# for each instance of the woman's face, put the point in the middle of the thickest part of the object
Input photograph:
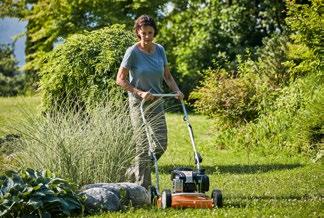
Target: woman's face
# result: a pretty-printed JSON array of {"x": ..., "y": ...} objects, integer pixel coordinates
[{"x": 146, "y": 34}]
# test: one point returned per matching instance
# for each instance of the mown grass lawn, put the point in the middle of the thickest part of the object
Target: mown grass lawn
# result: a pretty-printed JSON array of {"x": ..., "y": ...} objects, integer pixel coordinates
[
  {"x": 12, "y": 110},
  {"x": 253, "y": 185}
]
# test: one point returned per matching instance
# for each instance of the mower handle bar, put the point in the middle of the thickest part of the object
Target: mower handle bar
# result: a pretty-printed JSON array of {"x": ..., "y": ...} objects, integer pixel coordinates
[{"x": 173, "y": 95}]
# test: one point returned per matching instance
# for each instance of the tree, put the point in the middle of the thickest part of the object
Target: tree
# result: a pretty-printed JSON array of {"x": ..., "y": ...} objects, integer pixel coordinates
[
  {"x": 11, "y": 80},
  {"x": 8, "y": 62}
]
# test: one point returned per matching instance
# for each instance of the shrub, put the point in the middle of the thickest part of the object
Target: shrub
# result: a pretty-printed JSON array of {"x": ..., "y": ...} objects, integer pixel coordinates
[
  {"x": 85, "y": 148},
  {"x": 84, "y": 67},
  {"x": 33, "y": 193},
  {"x": 226, "y": 97},
  {"x": 240, "y": 99}
]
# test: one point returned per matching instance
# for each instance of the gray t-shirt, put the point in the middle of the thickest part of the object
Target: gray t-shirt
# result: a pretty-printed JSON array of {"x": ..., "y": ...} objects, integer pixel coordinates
[{"x": 145, "y": 70}]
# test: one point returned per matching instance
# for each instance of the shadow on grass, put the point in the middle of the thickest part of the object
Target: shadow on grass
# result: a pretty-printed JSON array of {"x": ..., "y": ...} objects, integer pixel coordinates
[{"x": 237, "y": 168}]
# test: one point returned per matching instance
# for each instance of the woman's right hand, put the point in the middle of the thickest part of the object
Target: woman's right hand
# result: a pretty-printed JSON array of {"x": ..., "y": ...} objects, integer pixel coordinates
[{"x": 147, "y": 96}]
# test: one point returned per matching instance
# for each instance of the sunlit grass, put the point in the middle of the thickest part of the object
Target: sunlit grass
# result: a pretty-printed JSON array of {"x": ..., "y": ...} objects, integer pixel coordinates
[{"x": 11, "y": 109}]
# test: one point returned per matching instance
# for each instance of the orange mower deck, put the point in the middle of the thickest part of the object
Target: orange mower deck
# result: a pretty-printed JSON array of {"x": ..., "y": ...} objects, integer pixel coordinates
[{"x": 188, "y": 201}]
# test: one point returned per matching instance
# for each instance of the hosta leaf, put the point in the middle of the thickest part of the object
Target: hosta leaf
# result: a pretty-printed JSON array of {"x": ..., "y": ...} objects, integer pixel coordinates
[
  {"x": 30, "y": 173},
  {"x": 27, "y": 190},
  {"x": 9, "y": 183},
  {"x": 39, "y": 194},
  {"x": 32, "y": 191},
  {"x": 37, "y": 187},
  {"x": 35, "y": 203},
  {"x": 46, "y": 192},
  {"x": 56, "y": 181},
  {"x": 73, "y": 204}
]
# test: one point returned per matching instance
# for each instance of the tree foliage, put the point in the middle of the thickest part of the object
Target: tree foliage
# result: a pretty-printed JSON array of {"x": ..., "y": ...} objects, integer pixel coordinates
[
  {"x": 201, "y": 34},
  {"x": 11, "y": 80}
]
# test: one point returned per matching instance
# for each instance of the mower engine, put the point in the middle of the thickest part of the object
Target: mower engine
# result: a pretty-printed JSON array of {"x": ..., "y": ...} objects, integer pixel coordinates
[{"x": 187, "y": 180}]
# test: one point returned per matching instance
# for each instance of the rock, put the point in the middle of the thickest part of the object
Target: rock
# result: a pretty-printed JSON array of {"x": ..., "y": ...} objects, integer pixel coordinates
[
  {"x": 137, "y": 194},
  {"x": 101, "y": 199},
  {"x": 127, "y": 193}
]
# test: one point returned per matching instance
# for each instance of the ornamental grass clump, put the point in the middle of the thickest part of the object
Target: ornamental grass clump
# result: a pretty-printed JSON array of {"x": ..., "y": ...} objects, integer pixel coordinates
[{"x": 97, "y": 145}]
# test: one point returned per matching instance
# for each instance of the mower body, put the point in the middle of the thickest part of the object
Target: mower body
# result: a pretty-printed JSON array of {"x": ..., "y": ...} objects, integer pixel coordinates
[
  {"x": 188, "y": 191},
  {"x": 188, "y": 200}
]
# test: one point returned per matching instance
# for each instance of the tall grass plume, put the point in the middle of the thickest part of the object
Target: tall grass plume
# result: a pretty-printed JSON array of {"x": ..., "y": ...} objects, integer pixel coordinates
[{"x": 86, "y": 147}]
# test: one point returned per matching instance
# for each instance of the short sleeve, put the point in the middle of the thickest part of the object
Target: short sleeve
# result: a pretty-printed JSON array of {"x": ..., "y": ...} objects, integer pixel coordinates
[
  {"x": 165, "y": 60},
  {"x": 127, "y": 59}
]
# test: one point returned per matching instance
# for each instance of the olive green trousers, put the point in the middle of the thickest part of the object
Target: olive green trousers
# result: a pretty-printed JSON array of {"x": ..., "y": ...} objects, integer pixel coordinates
[{"x": 140, "y": 172}]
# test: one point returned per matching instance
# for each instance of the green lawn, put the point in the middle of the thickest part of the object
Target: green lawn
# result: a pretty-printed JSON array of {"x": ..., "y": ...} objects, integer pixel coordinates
[
  {"x": 12, "y": 110},
  {"x": 252, "y": 186}
]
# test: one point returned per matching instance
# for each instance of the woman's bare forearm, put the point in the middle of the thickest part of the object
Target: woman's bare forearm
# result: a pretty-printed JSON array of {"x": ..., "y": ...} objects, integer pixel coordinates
[
  {"x": 169, "y": 80},
  {"x": 122, "y": 81}
]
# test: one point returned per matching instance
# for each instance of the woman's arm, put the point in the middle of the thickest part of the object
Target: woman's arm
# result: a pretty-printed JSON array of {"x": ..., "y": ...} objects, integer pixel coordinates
[
  {"x": 122, "y": 80},
  {"x": 169, "y": 80}
]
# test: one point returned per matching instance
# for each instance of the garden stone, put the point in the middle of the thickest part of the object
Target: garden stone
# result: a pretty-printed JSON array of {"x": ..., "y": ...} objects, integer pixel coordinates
[
  {"x": 101, "y": 199},
  {"x": 128, "y": 193}
]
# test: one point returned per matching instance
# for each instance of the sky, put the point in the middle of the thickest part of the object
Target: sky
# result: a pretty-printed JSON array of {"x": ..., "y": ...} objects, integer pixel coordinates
[{"x": 9, "y": 28}]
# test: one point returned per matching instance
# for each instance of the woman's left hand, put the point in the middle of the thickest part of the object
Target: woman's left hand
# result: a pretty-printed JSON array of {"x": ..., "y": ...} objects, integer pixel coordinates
[{"x": 179, "y": 95}]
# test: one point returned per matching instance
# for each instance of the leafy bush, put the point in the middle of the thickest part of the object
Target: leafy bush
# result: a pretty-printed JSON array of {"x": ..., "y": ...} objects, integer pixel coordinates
[
  {"x": 85, "y": 148},
  {"x": 34, "y": 193},
  {"x": 295, "y": 126},
  {"x": 226, "y": 97},
  {"x": 83, "y": 69},
  {"x": 240, "y": 99}
]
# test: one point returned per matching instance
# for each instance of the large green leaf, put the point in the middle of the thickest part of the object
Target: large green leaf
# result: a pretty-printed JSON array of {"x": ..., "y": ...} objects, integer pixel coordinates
[{"x": 25, "y": 192}]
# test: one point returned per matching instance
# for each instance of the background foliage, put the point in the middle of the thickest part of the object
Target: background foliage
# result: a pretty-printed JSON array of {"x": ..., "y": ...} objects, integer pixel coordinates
[{"x": 202, "y": 34}]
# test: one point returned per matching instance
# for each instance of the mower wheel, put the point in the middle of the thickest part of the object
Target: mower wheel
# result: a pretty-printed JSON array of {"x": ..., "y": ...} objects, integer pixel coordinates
[
  {"x": 166, "y": 199},
  {"x": 217, "y": 198},
  {"x": 153, "y": 194}
]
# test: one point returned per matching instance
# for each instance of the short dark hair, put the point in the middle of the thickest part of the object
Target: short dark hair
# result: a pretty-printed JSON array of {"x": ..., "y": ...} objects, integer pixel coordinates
[{"x": 144, "y": 20}]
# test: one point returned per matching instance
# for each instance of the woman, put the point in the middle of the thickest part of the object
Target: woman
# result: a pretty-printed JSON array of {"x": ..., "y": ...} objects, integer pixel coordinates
[{"x": 141, "y": 73}]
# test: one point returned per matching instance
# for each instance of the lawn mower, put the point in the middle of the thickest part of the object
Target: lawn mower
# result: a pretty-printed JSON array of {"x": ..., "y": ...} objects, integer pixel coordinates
[{"x": 189, "y": 186}]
